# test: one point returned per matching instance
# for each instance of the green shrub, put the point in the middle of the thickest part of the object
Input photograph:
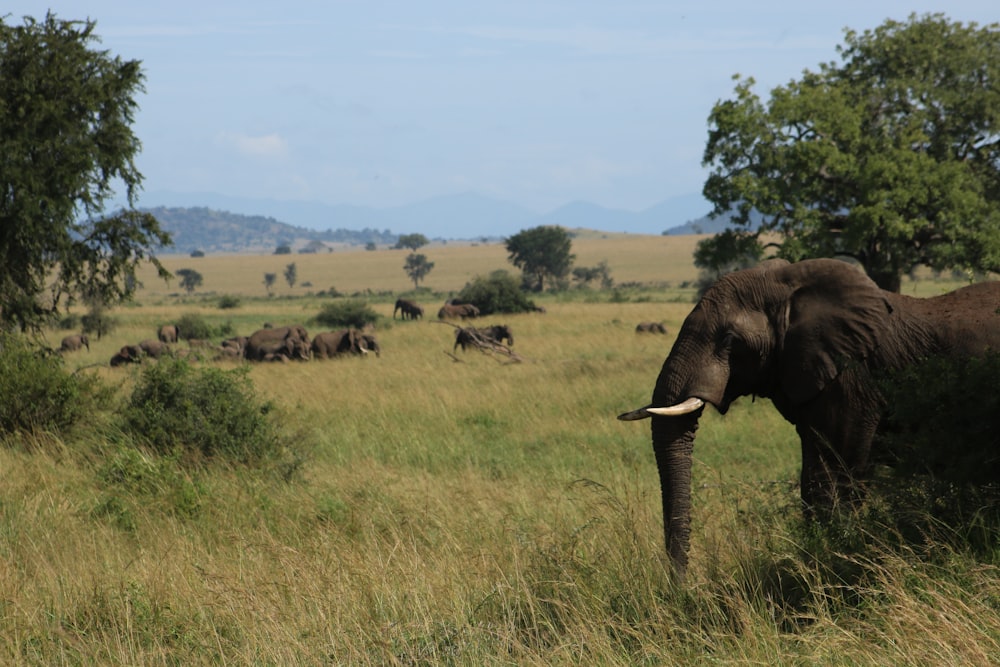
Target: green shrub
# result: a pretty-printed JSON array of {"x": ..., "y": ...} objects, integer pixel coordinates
[
  {"x": 350, "y": 313},
  {"x": 228, "y": 301},
  {"x": 210, "y": 413},
  {"x": 192, "y": 325},
  {"x": 38, "y": 394},
  {"x": 70, "y": 322},
  {"x": 500, "y": 292}
]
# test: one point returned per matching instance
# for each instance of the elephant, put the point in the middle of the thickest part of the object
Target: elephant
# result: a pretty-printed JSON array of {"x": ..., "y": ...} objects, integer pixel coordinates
[
  {"x": 293, "y": 341},
  {"x": 371, "y": 344},
  {"x": 74, "y": 342},
  {"x": 168, "y": 333},
  {"x": 155, "y": 348},
  {"x": 650, "y": 327},
  {"x": 458, "y": 310},
  {"x": 408, "y": 310},
  {"x": 237, "y": 343},
  {"x": 477, "y": 337},
  {"x": 815, "y": 337},
  {"x": 331, "y": 344},
  {"x": 128, "y": 354}
]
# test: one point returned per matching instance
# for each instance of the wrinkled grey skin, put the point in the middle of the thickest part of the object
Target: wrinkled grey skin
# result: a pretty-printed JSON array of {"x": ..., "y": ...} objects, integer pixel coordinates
[
  {"x": 293, "y": 341},
  {"x": 331, "y": 344},
  {"x": 471, "y": 336},
  {"x": 458, "y": 310},
  {"x": 408, "y": 310},
  {"x": 74, "y": 343},
  {"x": 650, "y": 327},
  {"x": 371, "y": 343},
  {"x": 811, "y": 337},
  {"x": 167, "y": 333}
]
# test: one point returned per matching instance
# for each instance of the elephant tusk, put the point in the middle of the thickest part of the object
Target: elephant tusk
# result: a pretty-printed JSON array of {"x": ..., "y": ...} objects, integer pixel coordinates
[{"x": 687, "y": 407}]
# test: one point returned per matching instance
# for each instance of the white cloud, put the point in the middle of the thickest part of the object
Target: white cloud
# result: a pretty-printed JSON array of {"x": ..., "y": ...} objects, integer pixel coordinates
[{"x": 267, "y": 145}]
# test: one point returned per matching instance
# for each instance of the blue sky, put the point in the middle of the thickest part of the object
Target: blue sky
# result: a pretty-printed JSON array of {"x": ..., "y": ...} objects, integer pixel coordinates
[{"x": 376, "y": 103}]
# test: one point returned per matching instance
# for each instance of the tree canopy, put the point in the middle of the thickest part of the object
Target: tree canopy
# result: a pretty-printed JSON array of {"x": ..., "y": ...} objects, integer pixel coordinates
[
  {"x": 417, "y": 267},
  {"x": 891, "y": 157},
  {"x": 66, "y": 142},
  {"x": 411, "y": 241},
  {"x": 541, "y": 253}
]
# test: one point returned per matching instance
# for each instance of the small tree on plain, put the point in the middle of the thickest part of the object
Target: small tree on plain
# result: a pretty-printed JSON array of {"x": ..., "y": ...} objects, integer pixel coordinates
[
  {"x": 291, "y": 274},
  {"x": 417, "y": 267},
  {"x": 411, "y": 241},
  {"x": 190, "y": 279},
  {"x": 542, "y": 253},
  {"x": 269, "y": 279}
]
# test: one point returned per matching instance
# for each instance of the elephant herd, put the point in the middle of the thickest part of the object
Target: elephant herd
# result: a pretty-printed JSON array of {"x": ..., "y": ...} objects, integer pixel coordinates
[{"x": 276, "y": 344}]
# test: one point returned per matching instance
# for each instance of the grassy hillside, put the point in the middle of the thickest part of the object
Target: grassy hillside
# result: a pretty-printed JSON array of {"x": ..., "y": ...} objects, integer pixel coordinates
[{"x": 469, "y": 513}]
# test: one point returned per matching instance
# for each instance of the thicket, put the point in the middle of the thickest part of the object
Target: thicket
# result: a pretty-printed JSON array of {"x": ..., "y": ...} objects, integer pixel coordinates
[
  {"x": 201, "y": 413},
  {"x": 499, "y": 292},
  {"x": 350, "y": 313},
  {"x": 193, "y": 325},
  {"x": 38, "y": 393}
]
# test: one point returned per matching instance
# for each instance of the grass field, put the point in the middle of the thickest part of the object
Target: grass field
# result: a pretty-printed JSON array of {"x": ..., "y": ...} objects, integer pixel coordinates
[{"x": 468, "y": 513}]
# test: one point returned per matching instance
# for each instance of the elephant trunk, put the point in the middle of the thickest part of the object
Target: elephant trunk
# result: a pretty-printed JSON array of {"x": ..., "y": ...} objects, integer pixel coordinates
[{"x": 673, "y": 444}]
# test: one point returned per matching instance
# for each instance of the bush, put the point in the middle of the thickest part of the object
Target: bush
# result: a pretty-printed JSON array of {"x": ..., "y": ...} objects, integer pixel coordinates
[
  {"x": 38, "y": 393},
  {"x": 208, "y": 412},
  {"x": 192, "y": 325},
  {"x": 343, "y": 314},
  {"x": 228, "y": 301},
  {"x": 500, "y": 292}
]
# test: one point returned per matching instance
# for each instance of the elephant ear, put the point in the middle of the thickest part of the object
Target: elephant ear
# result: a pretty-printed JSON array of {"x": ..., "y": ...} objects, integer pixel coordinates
[{"x": 836, "y": 317}]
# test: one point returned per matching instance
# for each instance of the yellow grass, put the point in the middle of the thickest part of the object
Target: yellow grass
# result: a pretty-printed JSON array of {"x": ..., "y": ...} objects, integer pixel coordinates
[{"x": 470, "y": 512}]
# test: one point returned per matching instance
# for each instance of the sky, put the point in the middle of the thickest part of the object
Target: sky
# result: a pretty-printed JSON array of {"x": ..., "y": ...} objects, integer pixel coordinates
[{"x": 373, "y": 103}]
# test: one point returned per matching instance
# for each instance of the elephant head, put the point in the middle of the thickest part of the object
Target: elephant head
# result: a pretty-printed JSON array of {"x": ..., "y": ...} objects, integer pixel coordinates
[{"x": 789, "y": 332}]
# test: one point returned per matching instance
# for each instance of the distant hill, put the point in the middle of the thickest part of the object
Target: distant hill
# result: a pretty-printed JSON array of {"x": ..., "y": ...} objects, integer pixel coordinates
[
  {"x": 462, "y": 216},
  {"x": 208, "y": 230}
]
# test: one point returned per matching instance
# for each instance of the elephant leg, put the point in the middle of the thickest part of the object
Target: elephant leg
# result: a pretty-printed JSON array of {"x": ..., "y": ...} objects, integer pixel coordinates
[{"x": 836, "y": 445}]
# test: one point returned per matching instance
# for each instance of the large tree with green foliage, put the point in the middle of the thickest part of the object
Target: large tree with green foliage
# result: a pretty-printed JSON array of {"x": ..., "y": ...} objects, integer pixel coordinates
[
  {"x": 66, "y": 142},
  {"x": 417, "y": 267},
  {"x": 541, "y": 253},
  {"x": 891, "y": 157}
]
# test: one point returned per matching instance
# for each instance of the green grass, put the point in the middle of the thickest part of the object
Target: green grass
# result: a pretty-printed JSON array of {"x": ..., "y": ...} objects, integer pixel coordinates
[{"x": 471, "y": 512}]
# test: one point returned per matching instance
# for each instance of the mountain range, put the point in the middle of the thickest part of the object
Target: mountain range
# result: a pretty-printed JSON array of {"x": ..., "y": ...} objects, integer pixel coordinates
[{"x": 461, "y": 216}]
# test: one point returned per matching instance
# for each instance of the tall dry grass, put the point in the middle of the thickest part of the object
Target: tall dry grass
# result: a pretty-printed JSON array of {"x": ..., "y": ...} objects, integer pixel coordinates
[{"x": 470, "y": 512}]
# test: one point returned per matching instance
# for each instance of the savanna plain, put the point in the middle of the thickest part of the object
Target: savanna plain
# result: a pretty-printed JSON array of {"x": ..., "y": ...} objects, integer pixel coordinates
[{"x": 454, "y": 509}]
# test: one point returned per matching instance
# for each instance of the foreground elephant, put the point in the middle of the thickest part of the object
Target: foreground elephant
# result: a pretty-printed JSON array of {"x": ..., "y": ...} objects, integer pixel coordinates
[
  {"x": 292, "y": 341},
  {"x": 457, "y": 310},
  {"x": 74, "y": 343},
  {"x": 331, "y": 344},
  {"x": 476, "y": 337},
  {"x": 168, "y": 333},
  {"x": 812, "y": 337},
  {"x": 650, "y": 327},
  {"x": 408, "y": 310}
]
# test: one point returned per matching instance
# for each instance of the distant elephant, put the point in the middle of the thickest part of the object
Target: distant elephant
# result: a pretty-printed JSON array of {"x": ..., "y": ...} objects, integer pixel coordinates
[
  {"x": 650, "y": 327},
  {"x": 478, "y": 337},
  {"x": 290, "y": 347},
  {"x": 813, "y": 337},
  {"x": 458, "y": 310},
  {"x": 331, "y": 344},
  {"x": 294, "y": 340},
  {"x": 128, "y": 354},
  {"x": 408, "y": 310},
  {"x": 74, "y": 342},
  {"x": 371, "y": 344},
  {"x": 167, "y": 333},
  {"x": 155, "y": 348}
]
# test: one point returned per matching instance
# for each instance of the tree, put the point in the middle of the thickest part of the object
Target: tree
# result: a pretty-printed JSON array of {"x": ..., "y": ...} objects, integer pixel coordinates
[
  {"x": 190, "y": 279},
  {"x": 411, "y": 241},
  {"x": 417, "y": 267},
  {"x": 291, "y": 274},
  {"x": 499, "y": 292},
  {"x": 283, "y": 249},
  {"x": 269, "y": 279},
  {"x": 541, "y": 253},
  {"x": 584, "y": 275},
  {"x": 891, "y": 157},
  {"x": 65, "y": 140}
]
